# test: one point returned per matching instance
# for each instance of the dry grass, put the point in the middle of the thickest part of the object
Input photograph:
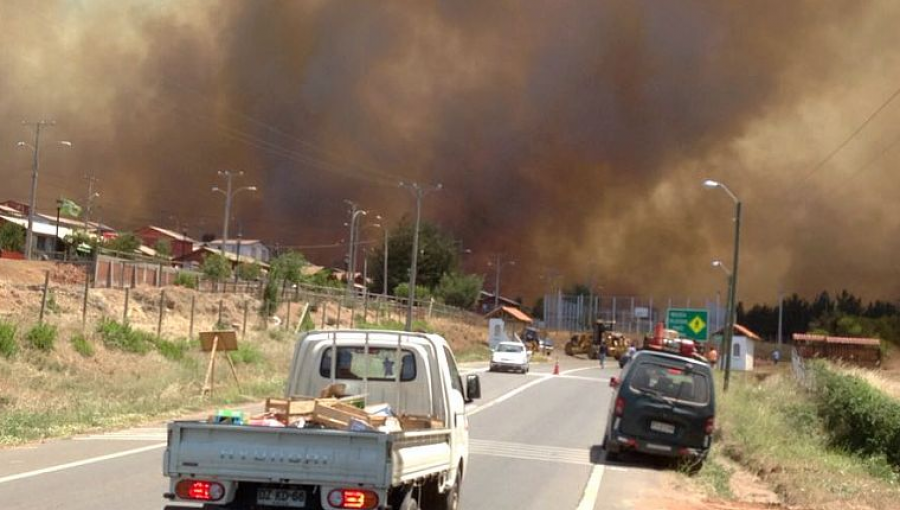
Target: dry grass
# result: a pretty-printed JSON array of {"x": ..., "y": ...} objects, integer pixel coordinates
[
  {"x": 771, "y": 428},
  {"x": 63, "y": 391}
]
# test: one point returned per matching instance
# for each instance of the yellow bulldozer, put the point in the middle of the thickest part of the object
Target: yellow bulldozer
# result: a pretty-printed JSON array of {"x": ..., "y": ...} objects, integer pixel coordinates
[{"x": 589, "y": 343}]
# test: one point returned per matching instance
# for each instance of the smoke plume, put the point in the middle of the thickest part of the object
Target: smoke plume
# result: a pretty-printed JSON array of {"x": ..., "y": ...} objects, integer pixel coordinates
[{"x": 572, "y": 136}]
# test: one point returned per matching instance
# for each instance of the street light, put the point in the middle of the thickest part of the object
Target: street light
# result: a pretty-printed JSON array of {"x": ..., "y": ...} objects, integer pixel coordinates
[
  {"x": 498, "y": 265},
  {"x": 35, "y": 164},
  {"x": 419, "y": 193},
  {"x": 732, "y": 290},
  {"x": 229, "y": 196},
  {"x": 385, "y": 273},
  {"x": 355, "y": 214}
]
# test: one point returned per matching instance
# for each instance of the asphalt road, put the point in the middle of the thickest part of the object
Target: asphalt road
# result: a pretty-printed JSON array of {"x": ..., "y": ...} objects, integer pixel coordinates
[{"x": 534, "y": 445}]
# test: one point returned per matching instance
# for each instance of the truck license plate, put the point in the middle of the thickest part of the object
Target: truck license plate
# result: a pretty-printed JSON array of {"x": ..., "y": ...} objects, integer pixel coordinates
[
  {"x": 293, "y": 498},
  {"x": 665, "y": 428}
]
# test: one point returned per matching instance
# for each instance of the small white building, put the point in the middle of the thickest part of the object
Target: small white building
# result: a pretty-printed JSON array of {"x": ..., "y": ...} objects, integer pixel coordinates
[{"x": 742, "y": 348}]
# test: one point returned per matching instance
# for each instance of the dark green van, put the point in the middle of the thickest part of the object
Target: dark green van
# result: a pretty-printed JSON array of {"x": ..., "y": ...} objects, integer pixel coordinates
[{"x": 664, "y": 405}]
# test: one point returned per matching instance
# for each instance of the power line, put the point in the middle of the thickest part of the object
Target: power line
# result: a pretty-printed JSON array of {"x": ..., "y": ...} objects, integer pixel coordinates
[{"x": 850, "y": 138}]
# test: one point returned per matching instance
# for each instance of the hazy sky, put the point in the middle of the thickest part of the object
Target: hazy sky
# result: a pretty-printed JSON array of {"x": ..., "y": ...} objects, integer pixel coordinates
[{"x": 571, "y": 135}]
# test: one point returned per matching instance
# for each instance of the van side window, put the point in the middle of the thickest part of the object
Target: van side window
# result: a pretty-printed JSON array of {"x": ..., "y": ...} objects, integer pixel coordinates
[{"x": 455, "y": 380}]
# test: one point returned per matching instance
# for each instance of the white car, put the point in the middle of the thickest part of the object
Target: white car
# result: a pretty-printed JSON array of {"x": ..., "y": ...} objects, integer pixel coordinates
[{"x": 511, "y": 356}]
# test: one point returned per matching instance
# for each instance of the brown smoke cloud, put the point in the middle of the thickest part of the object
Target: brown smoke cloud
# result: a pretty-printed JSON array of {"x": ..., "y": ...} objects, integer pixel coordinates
[{"x": 571, "y": 135}]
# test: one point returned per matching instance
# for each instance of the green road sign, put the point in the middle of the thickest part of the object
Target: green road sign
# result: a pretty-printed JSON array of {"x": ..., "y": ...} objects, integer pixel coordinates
[{"x": 690, "y": 323}]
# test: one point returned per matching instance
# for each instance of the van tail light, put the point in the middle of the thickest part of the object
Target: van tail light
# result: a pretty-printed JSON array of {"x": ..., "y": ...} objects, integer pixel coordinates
[
  {"x": 353, "y": 498},
  {"x": 620, "y": 406},
  {"x": 710, "y": 425},
  {"x": 199, "y": 490}
]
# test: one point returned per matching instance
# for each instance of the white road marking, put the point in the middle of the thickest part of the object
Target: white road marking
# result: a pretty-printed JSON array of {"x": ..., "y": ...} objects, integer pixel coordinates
[
  {"x": 578, "y": 377},
  {"x": 139, "y": 434},
  {"x": 592, "y": 489},
  {"x": 520, "y": 389},
  {"x": 523, "y": 451},
  {"x": 79, "y": 463}
]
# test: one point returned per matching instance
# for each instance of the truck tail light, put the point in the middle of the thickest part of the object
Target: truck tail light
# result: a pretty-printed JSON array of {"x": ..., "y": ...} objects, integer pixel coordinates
[
  {"x": 710, "y": 425},
  {"x": 200, "y": 490},
  {"x": 620, "y": 406},
  {"x": 353, "y": 498}
]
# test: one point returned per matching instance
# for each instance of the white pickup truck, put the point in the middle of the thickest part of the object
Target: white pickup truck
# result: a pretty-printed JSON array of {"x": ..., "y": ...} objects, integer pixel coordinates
[{"x": 253, "y": 467}]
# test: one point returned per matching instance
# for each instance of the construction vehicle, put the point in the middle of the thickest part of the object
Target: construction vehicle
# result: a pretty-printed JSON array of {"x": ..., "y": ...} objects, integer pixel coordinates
[{"x": 589, "y": 343}]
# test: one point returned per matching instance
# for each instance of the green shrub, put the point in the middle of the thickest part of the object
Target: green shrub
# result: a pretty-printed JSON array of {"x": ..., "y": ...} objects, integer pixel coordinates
[
  {"x": 124, "y": 338},
  {"x": 82, "y": 345},
  {"x": 188, "y": 280},
  {"x": 246, "y": 354},
  {"x": 42, "y": 337},
  {"x": 857, "y": 416},
  {"x": 8, "y": 344},
  {"x": 172, "y": 349}
]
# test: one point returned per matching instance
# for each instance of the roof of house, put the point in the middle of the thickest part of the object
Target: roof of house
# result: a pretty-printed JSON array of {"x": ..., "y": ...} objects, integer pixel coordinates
[
  {"x": 485, "y": 295},
  {"x": 741, "y": 331},
  {"x": 228, "y": 255},
  {"x": 235, "y": 241},
  {"x": 39, "y": 227},
  {"x": 515, "y": 313},
  {"x": 171, "y": 233},
  {"x": 805, "y": 337}
]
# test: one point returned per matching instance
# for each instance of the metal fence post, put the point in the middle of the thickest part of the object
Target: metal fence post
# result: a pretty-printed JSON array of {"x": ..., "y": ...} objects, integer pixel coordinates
[
  {"x": 191, "y": 326},
  {"x": 219, "y": 320}
]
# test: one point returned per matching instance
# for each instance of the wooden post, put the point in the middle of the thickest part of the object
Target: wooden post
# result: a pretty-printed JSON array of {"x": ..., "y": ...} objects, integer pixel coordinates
[
  {"x": 191, "y": 327},
  {"x": 244, "y": 326},
  {"x": 162, "y": 308},
  {"x": 125, "y": 312},
  {"x": 366, "y": 305},
  {"x": 287, "y": 317},
  {"x": 84, "y": 304},
  {"x": 210, "y": 370},
  {"x": 233, "y": 371},
  {"x": 44, "y": 297}
]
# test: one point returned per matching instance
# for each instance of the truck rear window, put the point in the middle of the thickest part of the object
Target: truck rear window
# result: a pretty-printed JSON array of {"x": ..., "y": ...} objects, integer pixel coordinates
[
  {"x": 351, "y": 364},
  {"x": 671, "y": 382}
]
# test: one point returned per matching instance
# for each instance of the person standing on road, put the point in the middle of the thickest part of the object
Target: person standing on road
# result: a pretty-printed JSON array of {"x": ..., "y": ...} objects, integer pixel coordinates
[{"x": 604, "y": 350}]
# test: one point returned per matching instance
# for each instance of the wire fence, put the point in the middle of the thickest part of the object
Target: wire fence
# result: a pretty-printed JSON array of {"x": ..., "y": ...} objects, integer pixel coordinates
[{"x": 67, "y": 299}]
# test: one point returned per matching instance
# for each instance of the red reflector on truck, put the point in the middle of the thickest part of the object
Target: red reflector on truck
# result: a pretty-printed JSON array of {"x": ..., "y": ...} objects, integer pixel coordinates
[
  {"x": 353, "y": 498},
  {"x": 200, "y": 490}
]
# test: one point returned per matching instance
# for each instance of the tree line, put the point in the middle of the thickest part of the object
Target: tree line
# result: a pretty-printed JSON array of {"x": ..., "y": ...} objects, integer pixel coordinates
[{"x": 843, "y": 314}]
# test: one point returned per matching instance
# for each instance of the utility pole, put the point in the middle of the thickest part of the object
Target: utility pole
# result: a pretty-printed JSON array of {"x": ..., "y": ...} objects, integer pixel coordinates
[
  {"x": 498, "y": 265},
  {"x": 35, "y": 164},
  {"x": 229, "y": 195},
  {"x": 780, "y": 315},
  {"x": 419, "y": 193}
]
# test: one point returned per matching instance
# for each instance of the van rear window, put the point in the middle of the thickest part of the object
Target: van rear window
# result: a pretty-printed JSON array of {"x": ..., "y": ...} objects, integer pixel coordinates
[
  {"x": 672, "y": 382},
  {"x": 381, "y": 366}
]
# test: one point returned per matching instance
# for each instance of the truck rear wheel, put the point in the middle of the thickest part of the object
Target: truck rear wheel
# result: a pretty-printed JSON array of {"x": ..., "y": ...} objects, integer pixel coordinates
[{"x": 432, "y": 499}]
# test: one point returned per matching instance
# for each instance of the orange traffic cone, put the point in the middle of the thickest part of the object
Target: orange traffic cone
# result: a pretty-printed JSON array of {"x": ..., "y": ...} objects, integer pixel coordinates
[{"x": 556, "y": 367}]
